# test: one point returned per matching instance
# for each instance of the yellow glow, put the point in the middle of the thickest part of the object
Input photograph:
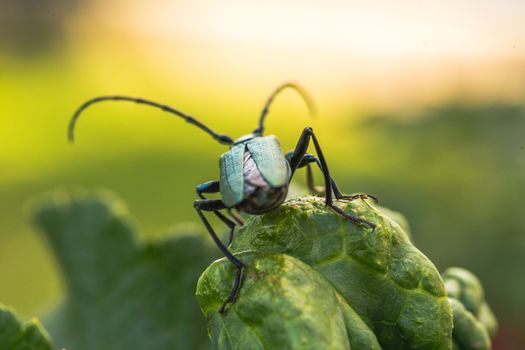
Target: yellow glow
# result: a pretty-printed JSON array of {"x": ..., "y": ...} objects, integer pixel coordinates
[
  {"x": 377, "y": 29},
  {"x": 394, "y": 52}
]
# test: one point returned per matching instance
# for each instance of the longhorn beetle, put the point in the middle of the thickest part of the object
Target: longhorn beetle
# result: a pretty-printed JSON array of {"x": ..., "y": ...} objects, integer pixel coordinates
[{"x": 255, "y": 173}]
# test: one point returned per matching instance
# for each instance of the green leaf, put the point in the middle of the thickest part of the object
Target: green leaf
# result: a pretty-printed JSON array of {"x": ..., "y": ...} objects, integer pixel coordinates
[
  {"x": 284, "y": 304},
  {"x": 469, "y": 333},
  {"x": 474, "y": 322},
  {"x": 392, "y": 287},
  {"x": 121, "y": 293},
  {"x": 17, "y": 336}
]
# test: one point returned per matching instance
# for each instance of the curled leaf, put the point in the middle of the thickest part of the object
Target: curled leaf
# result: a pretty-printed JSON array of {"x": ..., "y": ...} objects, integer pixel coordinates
[{"x": 121, "y": 293}]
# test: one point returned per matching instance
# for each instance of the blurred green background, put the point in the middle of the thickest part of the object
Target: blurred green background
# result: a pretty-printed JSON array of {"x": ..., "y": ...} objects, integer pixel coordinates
[{"x": 421, "y": 103}]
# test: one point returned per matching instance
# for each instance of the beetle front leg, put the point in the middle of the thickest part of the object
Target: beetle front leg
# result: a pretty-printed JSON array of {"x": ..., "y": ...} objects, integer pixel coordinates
[
  {"x": 236, "y": 217},
  {"x": 214, "y": 187},
  {"x": 214, "y": 205},
  {"x": 305, "y": 162},
  {"x": 295, "y": 160}
]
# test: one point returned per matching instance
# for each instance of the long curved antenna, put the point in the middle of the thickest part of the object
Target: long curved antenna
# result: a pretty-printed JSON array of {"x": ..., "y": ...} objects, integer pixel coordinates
[
  {"x": 225, "y": 139},
  {"x": 307, "y": 99}
]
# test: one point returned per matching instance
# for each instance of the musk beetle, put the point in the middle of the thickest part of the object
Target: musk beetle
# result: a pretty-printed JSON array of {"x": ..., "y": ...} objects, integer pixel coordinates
[{"x": 254, "y": 173}]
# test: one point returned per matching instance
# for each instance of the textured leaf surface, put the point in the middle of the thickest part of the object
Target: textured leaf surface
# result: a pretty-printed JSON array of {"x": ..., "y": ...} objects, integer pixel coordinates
[
  {"x": 120, "y": 293},
  {"x": 469, "y": 333},
  {"x": 474, "y": 322},
  {"x": 284, "y": 304},
  {"x": 393, "y": 288},
  {"x": 14, "y": 335}
]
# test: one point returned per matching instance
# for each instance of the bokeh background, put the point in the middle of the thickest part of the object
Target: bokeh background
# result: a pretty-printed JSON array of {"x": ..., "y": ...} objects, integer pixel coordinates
[{"x": 421, "y": 102}]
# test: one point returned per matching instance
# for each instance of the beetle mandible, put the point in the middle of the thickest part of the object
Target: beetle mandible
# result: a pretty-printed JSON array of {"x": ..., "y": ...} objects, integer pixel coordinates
[{"x": 254, "y": 173}]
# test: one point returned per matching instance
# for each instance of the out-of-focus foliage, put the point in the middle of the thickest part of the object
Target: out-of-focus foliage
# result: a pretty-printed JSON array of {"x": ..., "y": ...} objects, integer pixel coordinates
[
  {"x": 466, "y": 288},
  {"x": 33, "y": 26},
  {"x": 474, "y": 322},
  {"x": 14, "y": 335},
  {"x": 469, "y": 333},
  {"x": 393, "y": 288},
  {"x": 121, "y": 294}
]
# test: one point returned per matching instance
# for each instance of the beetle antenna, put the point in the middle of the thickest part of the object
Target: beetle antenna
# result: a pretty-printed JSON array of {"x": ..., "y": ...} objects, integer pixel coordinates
[
  {"x": 306, "y": 97},
  {"x": 225, "y": 139}
]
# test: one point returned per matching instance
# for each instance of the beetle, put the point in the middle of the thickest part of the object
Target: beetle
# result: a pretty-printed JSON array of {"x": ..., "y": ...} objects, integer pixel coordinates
[{"x": 254, "y": 173}]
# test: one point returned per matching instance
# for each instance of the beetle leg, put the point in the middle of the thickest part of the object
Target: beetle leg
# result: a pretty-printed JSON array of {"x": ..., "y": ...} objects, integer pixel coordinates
[
  {"x": 340, "y": 195},
  {"x": 359, "y": 196},
  {"x": 213, "y": 187},
  {"x": 228, "y": 222},
  {"x": 213, "y": 205},
  {"x": 306, "y": 162},
  {"x": 310, "y": 183},
  {"x": 237, "y": 218},
  {"x": 295, "y": 160}
]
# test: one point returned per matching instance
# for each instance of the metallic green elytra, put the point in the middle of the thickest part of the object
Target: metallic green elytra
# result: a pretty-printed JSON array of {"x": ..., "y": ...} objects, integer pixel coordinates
[
  {"x": 270, "y": 160},
  {"x": 231, "y": 181},
  {"x": 268, "y": 157}
]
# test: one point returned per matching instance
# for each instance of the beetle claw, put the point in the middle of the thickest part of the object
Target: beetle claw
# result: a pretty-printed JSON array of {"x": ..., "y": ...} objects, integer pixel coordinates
[{"x": 360, "y": 196}]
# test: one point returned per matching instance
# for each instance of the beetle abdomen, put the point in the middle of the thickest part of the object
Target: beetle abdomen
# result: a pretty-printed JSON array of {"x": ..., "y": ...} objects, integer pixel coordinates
[{"x": 259, "y": 196}]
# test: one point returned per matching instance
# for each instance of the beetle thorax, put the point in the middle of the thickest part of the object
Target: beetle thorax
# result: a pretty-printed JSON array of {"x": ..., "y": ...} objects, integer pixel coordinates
[{"x": 259, "y": 196}]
